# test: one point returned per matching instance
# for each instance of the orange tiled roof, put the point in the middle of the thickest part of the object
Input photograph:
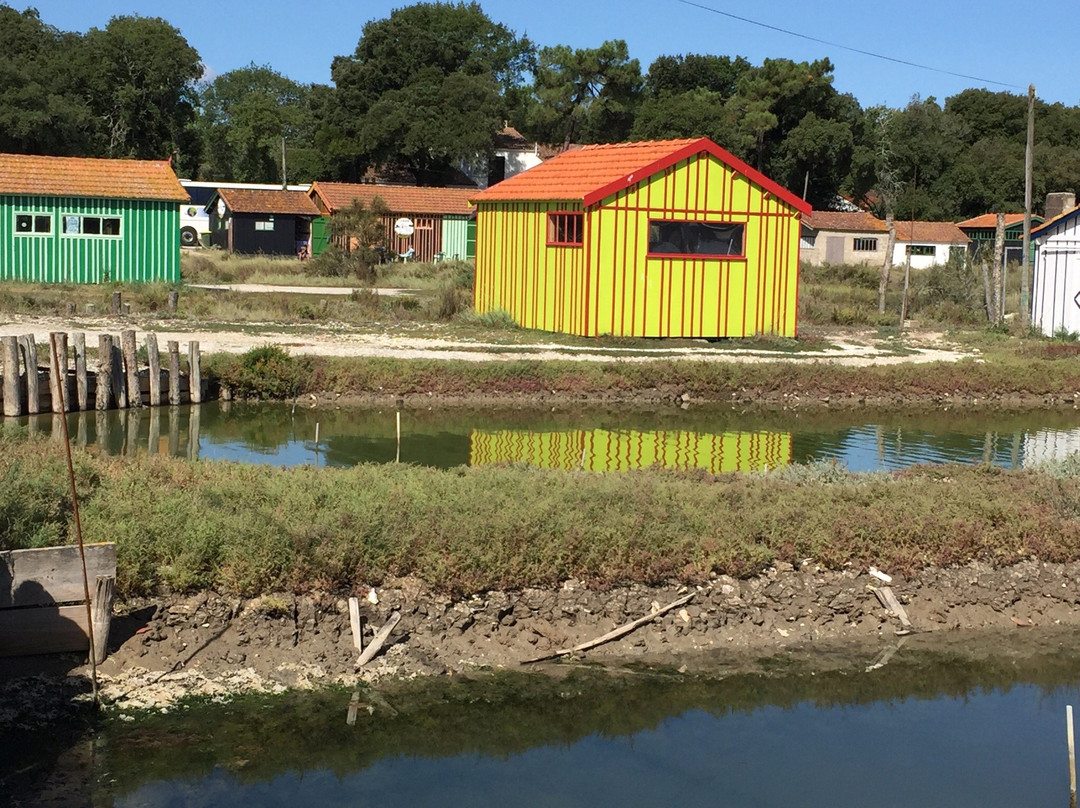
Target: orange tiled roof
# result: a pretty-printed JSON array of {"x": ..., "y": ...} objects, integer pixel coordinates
[
  {"x": 858, "y": 221},
  {"x": 242, "y": 200},
  {"x": 990, "y": 220},
  {"x": 593, "y": 173},
  {"x": 399, "y": 198},
  {"x": 89, "y": 177},
  {"x": 930, "y": 232}
]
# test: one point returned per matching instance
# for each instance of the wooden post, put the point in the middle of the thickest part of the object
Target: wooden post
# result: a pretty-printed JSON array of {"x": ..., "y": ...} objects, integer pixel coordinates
[
  {"x": 174, "y": 373},
  {"x": 115, "y": 304},
  {"x": 119, "y": 389},
  {"x": 102, "y": 616},
  {"x": 101, "y": 430},
  {"x": 33, "y": 394},
  {"x": 154, "y": 359},
  {"x": 131, "y": 367},
  {"x": 1072, "y": 754},
  {"x": 354, "y": 621},
  {"x": 79, "y": 340},
  {"x": 174, "y": 300},
  {"x": 104, "y": 372},
  {"x": 9, "y": 350},
  {"x": 194, "y": 374},
  {"x": 80, "y": 431},
  {"x": 58, "y": 383},
  {"x": 397, "y": 458},
  {"x": 1025, "y": 263},
  {"x": 378, "y": 641}
]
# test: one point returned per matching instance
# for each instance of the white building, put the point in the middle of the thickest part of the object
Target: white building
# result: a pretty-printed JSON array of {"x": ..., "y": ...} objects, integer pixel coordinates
[
  {"x": 1055, "y": 294},
  {"x": 927, "y": 244}
]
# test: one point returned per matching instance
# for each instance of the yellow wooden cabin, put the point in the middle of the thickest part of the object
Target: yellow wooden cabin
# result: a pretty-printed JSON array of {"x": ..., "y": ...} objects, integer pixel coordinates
[{"x": 673, "y": 238}]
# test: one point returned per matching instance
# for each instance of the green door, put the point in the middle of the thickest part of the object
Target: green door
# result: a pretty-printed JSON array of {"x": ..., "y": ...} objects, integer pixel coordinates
[
  {"x": 320, "y": 234},
  {"x": 470, "y": 240}
]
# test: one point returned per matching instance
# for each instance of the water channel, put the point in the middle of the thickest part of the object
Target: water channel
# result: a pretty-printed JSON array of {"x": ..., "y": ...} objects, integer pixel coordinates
[
  {"x": 594, "y": 438},
  {"x": 955, "y": 722}
]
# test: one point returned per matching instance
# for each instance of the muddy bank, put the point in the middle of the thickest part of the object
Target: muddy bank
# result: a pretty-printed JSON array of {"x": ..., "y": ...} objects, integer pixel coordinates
[{"x": 208, "y": 645}]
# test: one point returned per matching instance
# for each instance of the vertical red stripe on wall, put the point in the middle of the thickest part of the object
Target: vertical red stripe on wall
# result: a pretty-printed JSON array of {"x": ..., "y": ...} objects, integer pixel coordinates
[{"x": 763, "y": 223}]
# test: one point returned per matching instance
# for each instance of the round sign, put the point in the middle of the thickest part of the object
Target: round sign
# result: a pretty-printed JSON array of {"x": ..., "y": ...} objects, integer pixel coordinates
[
  {"x": 220, "y": 207},
  {"x": 404, "y": 227}
]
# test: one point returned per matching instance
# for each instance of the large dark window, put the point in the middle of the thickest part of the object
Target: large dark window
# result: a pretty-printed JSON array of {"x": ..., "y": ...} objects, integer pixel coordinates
[
  {"x": 39, "y": 224},
  {"x": 696, "y": 238},
  {"x": 565, "y": 229}
]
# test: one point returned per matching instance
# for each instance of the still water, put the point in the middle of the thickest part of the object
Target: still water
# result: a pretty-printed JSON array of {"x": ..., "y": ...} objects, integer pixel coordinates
[
  {"x": 593, "y": 438},
  {"x": 931, "y": 728}
]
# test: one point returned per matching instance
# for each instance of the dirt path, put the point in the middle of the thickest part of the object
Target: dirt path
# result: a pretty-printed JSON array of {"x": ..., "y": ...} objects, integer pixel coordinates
[{"x": 852, "y": 349}]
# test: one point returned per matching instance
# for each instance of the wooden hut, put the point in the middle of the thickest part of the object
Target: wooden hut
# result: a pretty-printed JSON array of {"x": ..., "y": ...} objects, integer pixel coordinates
[
  {"x": 249, "y": 221},
  {"x": 88, "y": 220},
  {"x": 1055, "y": 292},
  {"x": 657, "y": 239},
  {"x": 441, "y": 218}
]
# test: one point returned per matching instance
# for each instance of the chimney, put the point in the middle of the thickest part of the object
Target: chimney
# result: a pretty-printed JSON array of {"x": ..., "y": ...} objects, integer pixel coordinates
[{"x": 1058, "y": 203}]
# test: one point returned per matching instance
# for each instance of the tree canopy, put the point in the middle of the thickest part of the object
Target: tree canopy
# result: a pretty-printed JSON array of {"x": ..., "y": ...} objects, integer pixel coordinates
[{"x": 429, "y": 86}]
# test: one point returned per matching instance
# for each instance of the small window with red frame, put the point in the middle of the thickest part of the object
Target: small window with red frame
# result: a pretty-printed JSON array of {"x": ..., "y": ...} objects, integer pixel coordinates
[{"x": 565, "y": 229}]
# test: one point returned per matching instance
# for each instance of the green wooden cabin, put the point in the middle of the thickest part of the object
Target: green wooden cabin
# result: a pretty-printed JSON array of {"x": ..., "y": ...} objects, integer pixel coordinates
[{"x": 88, "y": 220}]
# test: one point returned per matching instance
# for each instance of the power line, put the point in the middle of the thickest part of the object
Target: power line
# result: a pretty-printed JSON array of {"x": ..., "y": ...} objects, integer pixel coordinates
[{"x": 845, "y": 47}]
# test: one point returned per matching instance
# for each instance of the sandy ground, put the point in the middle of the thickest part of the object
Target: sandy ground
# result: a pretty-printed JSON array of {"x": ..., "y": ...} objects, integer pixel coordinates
[{"x": 853, "y": 348}]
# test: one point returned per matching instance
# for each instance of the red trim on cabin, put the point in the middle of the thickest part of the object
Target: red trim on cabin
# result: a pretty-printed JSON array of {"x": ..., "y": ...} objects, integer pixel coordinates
[{"x": 695, "y": 147}]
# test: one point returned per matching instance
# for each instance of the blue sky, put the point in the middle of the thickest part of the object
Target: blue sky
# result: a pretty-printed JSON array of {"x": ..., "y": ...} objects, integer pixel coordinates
[{"x": 996, "y": 41}]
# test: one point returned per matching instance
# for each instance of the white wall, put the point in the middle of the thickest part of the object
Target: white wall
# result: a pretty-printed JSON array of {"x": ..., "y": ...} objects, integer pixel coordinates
[
  {"x": 1054, "y": 305},
  {"x": 940, "y": 256}
]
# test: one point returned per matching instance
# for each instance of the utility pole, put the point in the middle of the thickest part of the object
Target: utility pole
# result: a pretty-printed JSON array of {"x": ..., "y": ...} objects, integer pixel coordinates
[
  {"x": 1025, "y": 265},
  {"x": 284, "y": 181}
]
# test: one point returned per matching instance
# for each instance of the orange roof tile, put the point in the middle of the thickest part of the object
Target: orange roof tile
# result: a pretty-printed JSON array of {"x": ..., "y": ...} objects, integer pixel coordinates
[
  {"x": 593, "y": 173},
  {"x": 399, "y": 198},
  {"x": 990, "y": 220},
  {"x": 858, "y": 221},
  {"x": 931, "y": 232},
  {"x": 244, "y": 200},
  {"x": 89, "y": 177}
]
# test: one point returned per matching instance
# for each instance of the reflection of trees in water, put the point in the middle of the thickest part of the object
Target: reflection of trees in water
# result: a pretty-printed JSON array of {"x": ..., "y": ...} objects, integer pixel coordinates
[{"x": 509, "y": 714}]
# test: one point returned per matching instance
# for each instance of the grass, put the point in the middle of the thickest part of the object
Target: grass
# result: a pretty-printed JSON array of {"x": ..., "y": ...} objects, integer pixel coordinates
[{"x": 247, "y": 530}]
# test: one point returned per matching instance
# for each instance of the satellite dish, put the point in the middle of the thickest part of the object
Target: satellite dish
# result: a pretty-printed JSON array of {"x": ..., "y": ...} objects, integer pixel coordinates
[{"x": 404, "y": 227}]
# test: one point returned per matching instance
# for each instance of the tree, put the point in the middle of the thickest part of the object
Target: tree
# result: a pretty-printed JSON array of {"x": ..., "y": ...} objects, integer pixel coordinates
[
  {"x": 673, "y": 75},
  {"x": 695, "y": 113},
  {"x": 586, "y": 95},
  {"x": 138, "y": 75},
  {"x": 432, "y": 71},
  {"x": 40, "y": 110},
  {"x": 245, "y": 114}
]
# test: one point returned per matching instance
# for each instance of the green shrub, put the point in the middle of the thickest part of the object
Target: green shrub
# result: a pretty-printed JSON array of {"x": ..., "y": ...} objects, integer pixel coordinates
[{"x": 264, "y": 372}]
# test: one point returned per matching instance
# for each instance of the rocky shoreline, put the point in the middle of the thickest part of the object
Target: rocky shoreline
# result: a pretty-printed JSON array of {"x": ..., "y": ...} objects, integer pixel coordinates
[{"x": 207, "y": 645}]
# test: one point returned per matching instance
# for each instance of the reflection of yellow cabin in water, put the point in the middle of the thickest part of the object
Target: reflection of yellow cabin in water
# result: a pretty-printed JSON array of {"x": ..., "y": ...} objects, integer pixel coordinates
[{"x": 622, "y": 450}]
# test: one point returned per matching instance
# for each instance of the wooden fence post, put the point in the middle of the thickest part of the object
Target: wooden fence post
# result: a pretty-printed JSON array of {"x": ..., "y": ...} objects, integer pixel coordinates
[
  {"x": 59, "y": 353},
  {"x": 131, "y": 367},
  {"x": 174, "y": 300},
  {"x": 115, "y": 304},
  {"x": 174, "y": 373},
  {"x": 194, "y": 373},
  {"x": 103, "y": 390},
  {"x": 33, "y": 393},
  {"x": 119, "y": 389},
  {"x": 79, "y": 340},
  {"x": 153, "y": 358},
  {"x": 9, "y": 351},
  {"x": 104, "y": 593}
]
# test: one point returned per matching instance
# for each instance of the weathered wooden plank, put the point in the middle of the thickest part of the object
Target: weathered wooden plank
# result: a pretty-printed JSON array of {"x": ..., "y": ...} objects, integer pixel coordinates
[
  {"x": 103, "y": 388},
  {"x": 194, "y": 373},
  {"x": 81, "y": 388},
  {"x": 119, "y": 389},
  {"x": 53, "y": 574},
  {"x": 131, "y": 367},
  {"x": 9, "y": 358},
  {"x": 154, "y": 360},
  {"x": 30, "y": 362},
  {"x": 44, "y": 630},
  {"x": 174, "y": 373},
  {"x": 104, "y": 592},
  {"x": 58, "y": 358}
]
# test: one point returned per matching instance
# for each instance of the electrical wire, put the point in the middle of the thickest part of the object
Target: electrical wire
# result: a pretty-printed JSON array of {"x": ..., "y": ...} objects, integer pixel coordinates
[{"x": 845, "y": 47}]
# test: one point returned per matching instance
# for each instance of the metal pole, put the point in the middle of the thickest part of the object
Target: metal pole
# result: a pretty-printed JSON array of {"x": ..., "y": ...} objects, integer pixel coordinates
[{"x": 75, "y": 510}]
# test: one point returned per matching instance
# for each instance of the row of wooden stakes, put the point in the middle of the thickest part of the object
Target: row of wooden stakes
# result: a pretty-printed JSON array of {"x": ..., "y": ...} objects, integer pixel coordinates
[{"x": 116, "y": 382}]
